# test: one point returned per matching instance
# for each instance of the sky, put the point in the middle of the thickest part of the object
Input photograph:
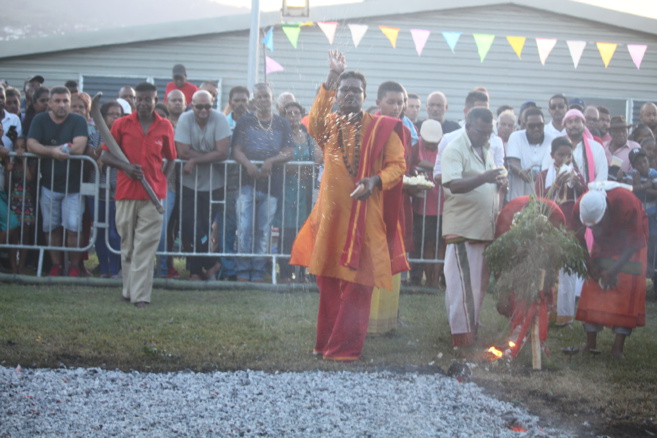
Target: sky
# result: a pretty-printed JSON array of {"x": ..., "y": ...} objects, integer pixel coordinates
[{"x": 647, "y": 8}]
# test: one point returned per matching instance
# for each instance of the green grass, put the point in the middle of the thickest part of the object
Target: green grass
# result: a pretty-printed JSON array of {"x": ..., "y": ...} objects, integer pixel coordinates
[{"x": 53, "y": 326}]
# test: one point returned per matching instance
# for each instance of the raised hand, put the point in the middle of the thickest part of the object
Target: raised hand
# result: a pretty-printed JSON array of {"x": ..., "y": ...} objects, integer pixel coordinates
[{"x": 337, "y": 61}]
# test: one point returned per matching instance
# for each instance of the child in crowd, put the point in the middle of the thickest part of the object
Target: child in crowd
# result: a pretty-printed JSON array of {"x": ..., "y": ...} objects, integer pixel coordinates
[
  {"x": 19, "y": 181},
  {"x": 643, "y": 179},
  {"x": 650, "y": 146},
  {"x": 563, "y": 183}
]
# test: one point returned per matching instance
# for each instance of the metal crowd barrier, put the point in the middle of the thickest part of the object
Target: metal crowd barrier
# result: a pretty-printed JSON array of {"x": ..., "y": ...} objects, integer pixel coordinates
[
  {"x": 299, "y": 182},
  {"x": 29, "y": 235}
]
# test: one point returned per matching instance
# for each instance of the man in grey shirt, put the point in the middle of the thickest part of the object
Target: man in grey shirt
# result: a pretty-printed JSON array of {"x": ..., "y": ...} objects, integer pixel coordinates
[{"x": 203, "y": 139}]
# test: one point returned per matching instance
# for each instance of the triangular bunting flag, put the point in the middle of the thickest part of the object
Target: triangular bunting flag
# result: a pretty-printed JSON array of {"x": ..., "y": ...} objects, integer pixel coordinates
[
  {"x": 637, "y": 51},
  {"x": 420, "y": 37},
  {"x": 576, "y": 48},
  {"x": 545, "y": 46},
  {"x": 451, "y": 38},
  {"x": 391, "y": 33},
  {"x": 607, "y": 51},
  {"x": 517, "y": 43},
  {"x": 272, "y": 66},
  {"x": 484, "y": 43},
  {"x": 292, "y": 32},
  {"x": 357, "y": 32},
  {"x": 329, "y": 28},
  {"x": 268, "y": 40},
  {"x": 307, "y": 23}
]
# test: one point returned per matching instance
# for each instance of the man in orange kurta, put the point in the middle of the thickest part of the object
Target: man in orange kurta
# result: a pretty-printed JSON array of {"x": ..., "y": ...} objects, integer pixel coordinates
[{"x": 353, "y": 239}]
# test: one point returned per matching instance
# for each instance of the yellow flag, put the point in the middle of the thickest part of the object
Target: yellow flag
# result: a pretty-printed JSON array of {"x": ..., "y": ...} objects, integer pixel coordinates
[
  {"x": 517, "y": 43},
  {"x": 391, "y": 33},
  {"x": 607, "y": 51}
]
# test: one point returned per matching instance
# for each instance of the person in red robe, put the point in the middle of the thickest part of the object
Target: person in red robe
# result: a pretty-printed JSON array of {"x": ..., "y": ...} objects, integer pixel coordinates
[
  {"x": 615, "y": 293},
  {"x": 353, "y": 239}
]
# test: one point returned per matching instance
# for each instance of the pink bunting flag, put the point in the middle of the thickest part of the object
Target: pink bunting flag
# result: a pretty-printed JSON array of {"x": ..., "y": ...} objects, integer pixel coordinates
[
  {"x": 329, "y": 28},
  {"x": 637, "y": 52},
  {"x": 272, "y": 66},
  {"x": 576, "y": 49},
  {"x": 545, "y": 46},
  {"x": 420, "y": 37}
]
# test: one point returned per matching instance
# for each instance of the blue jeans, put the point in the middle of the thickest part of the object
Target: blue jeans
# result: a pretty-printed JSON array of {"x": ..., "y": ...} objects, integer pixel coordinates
[
  {"x": 109, "y": 262},
  {"x": 161, "y": 269},
  {"x": 253, "y": 232}
]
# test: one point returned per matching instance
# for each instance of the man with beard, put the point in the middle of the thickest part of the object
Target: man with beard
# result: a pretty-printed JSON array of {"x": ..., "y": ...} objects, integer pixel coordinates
[
  {"x": 267, "y": 137},
  {"x": 588, "y": 155},
  {"x": 648, "y": 116},
  {"x": 603, "y": 123},
  {"x": 57, "y": 134},
  {"x": 352, "y": 240},
  {"x": 557, "y": 106},
  {"x": 145, "y": 138},
  {"x": 525, "y": 153}
]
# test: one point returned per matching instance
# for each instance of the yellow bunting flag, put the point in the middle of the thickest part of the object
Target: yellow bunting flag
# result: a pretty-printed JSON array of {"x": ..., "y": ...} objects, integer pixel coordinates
[
  {"x": 292, "y": 32},
  {"x": 517, "y": 43},
  {"x": 391, "y": 33},
  {"x": 484, "y": 43},
  {"x": 607, "y": 51}
]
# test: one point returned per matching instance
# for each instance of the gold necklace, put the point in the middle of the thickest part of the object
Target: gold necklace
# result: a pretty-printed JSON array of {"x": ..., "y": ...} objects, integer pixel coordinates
[{"x": 271, "y": 123}]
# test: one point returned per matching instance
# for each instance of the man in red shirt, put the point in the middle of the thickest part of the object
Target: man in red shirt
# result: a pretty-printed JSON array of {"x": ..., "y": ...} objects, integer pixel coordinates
[
  {"x": 180, "y": 83},
  {"x": 145, "y": 138}
]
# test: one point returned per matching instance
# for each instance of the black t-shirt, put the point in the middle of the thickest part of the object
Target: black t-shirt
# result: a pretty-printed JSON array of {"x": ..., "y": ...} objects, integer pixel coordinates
[{"x": 51, "y": 134}]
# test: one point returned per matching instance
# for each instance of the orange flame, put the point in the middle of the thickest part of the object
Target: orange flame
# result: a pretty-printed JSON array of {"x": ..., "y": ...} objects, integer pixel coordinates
[
  {"x": 512, "y": 344},
  {"x": 495, "y": 352},
  {"x": 518, "y": 429}
]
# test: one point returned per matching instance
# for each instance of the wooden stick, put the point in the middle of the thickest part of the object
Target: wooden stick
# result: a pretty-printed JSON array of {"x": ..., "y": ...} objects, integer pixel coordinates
[{"x": 535, "y": 330}]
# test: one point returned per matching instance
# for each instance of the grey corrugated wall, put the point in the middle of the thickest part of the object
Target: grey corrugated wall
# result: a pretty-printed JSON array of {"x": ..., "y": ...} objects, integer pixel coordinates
[{"x": 508, "y": 79}]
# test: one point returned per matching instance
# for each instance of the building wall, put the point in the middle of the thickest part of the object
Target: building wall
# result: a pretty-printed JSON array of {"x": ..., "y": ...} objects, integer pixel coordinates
[{"x": 508, "y": 79}]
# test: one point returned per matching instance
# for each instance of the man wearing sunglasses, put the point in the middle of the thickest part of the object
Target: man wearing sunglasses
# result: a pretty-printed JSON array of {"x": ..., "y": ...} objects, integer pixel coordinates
[
  {"x": 203, "y": 139},
  {"x": 558, "y": 106}
]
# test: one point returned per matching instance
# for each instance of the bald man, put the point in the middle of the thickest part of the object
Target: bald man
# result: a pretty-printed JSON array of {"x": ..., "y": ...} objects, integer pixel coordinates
[
  {"x": 202, "y": 138},
  {"x": 127, "y": 93},
  {"x": 648, "y": 116},
  {"x": 437, "y": 106}
]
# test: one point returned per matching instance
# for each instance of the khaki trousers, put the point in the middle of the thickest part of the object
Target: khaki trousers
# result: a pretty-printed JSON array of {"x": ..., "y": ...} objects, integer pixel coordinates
[{"x": 139, "y": 224}]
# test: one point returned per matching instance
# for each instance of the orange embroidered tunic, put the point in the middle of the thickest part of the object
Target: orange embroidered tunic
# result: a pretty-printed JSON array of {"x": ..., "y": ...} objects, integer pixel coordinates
[{"x": 321, "y": 241}]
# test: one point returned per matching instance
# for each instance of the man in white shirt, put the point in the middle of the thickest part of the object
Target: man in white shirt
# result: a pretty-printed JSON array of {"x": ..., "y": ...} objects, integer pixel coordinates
[
  {"x": 525, "y": 152},
  {"x": 474, "y": 99},
  {"x": 557, "y": 105},
  {"x": 588, "y": 155}
]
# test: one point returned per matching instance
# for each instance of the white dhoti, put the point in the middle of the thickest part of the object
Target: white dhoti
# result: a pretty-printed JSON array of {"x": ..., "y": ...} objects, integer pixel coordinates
[
  {"x": 466, "y": 277},
  {"x": 570, "y": 287}
]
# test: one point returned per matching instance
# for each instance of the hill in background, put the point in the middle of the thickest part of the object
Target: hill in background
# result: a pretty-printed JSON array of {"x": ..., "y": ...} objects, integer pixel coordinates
[{"x": 36, "y": 18}]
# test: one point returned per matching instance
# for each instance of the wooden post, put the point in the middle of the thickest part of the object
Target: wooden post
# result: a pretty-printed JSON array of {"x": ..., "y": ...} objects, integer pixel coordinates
[{"x": 535, "y": 331}]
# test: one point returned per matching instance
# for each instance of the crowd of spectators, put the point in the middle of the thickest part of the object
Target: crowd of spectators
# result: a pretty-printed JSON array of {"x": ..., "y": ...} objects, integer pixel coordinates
[{"x": 231, "y": 208}]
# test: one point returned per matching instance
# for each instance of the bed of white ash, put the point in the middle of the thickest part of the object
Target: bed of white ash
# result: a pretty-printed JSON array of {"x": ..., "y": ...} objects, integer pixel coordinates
[{"x": 98, "y": 403}]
